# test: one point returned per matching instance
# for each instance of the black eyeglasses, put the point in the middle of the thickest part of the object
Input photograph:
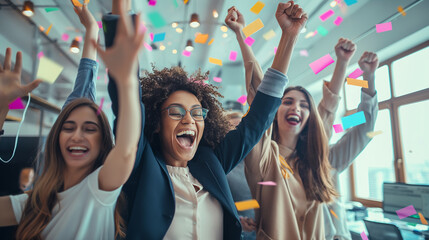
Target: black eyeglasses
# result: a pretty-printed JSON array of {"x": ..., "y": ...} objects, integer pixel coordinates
[{"x": 176, "y": 112}]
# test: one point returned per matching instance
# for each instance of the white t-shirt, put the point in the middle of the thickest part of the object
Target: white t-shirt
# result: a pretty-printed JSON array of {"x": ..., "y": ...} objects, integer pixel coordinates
[{"x": 83, "y": 211}]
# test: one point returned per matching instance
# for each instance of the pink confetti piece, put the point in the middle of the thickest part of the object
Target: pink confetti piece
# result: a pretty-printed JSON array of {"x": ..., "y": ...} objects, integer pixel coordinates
[
  {"x": 338, "y": 128},
  {"x": 303, "y": 53},
  {"x": 100, "y": 24},
  {"x": 249, "y": 41},
  {"x": 233, "y": 55},
  {"x": 40, "y": 54},
  {"x": 242, "y": 99},
  {"x": 98, "y": 78},
  {"x": 217, "y": 79},
  {"x": 148, "y": 47},
  {"x": 383, "y": 27},
  {"x": 186, "y": 53},
  {"x": 79, "y": 38},
  {"x": 321, "y": 63},
  {"x": 338, "y": 21},
  {"x": 356, "y": 73},
  {"x": 326, "y": 15},
  {"x": 65, "y": 37},
  {"x": 17, "y": 104},
  {"x": 151, "y": 36},
  {"x": 406, "y": 212},
  {"x": 275, "y": 50},
  {"x": 152, "y": 3},
  {"x": 100, "y": 107},
  {"x": 106, "y": 76},
  {"x": 363, "y": 236},
  {"x": 268, "y": 183}
]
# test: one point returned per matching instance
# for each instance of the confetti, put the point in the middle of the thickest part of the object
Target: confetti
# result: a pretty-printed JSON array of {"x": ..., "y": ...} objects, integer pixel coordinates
[
  {"x": 275, "y": 50},
  {"x": 78, "y": 38},
  {"x": 65, "y": 37},
  {"x": 49, "y": 29},
  {"x": 401, "y": 10},
  {"x": 211, "y": 41},
  {"x": 185, "y": 1},
  {"x": 233, "y": 55},
  {"x": 76, "y": 3},
  {"x": 303, "y": 53},
  {"x": 100, "y": 24},
  {"x": 268, "y": 183},
  {"x": 350, "y": 2},
  {"x": 215, "y": 61},
  {"x": 201, "y": 38},
  {"x": 152, "y": 3},
  {"x": 156, "y": 19},
  {"x": 357, "y": 82},
  {"x": 322, "y": 31},
  {"x": 100, "y": 107},
  {"x": 51, "y": 9},
  {"x": 384, "y": 27},
  {"x": 338, "y": 128},
  {"x": 40, "y": 54},
  {"x": 186, "y": 53},
  {"x": 147, "y": 46},
  {"x": 268, "y": 35},
  {"x": 245, "y": 205},
  {"x": 151, "y": 36},
  {"x": 333, "y": 213},
  {"x": 338, "y": 21},
  {"x": 406, "y": 212},
  {"x": 159, "y": 37},
  {"x": 175, "y": 3},
  {"x": 217, "y": 79},
  {"x": 321, "y": 63},
  {"x": 373, "y": 134},
  {"x": 249, "y": 41},
  {"x": 257, "y": 7},
  {"x": 353, "y": 120},
  {"x": 17, "y": 104},
  {"x": 253, "y": 27},
  {"x": 242, "y": 99},
  {"x": 326, "y": 15},
  {"x": 48, "y": 70},
  {"x": 422, "y": 219},
  {"x": 363, "y": 236},
  {"x": 356, "y": 73}
]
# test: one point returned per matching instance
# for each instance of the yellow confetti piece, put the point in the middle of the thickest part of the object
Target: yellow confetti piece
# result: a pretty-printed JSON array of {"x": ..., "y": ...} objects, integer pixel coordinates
[
  {"x": 215, "y": 61},
  {"x": 245, "y": 205},
  {"x": 373, "y": 134},
  {"x": 253, "y": 27},
  {"x": 201, "y": 38},
  {"x": 422, "y": 219},
  {"x": 48, "y": 70},
  {"x": 401, "y": 10},
  {"x": 211, "y": 41},
  {"x": 49, "y": 29},
  {"x": 76, "y": 3},
  {"x": 185, "y": 1},
  {"x": 257, "y": 7},
  {"x": 333, "y": 213},
  {"x": 357, "y": 82},
  {"x": 270, "y": 34}
]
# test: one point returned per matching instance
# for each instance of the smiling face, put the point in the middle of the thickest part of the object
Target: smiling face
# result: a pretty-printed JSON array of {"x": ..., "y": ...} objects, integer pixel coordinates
[
  {"x": 80, "y": 138},
  {"x": 293, "y": 113},
  {"x": 180, "y": 138}
]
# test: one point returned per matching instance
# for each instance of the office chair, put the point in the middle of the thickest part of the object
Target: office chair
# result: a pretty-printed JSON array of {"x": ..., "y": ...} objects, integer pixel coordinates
[{"x": 382, "y": 231}]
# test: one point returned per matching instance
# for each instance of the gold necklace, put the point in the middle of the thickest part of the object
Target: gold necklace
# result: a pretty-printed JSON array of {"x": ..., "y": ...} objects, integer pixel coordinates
[{"x": 283, "y": 166}]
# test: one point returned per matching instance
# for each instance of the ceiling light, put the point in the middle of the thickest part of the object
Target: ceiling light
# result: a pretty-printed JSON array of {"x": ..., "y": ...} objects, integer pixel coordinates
[
  {"x": 174, "y": 25},
  {"x": 174, "y": 51},
  {"x": 225, "y": 35},
  {"x": 28, "y": 9},
  {"x": 333, "y": 3},
  {"x": 162, "y": 47},
  {"x": 179, "y": 30},
  {"x": 224, "y": 28},
  {"x": 195, "y": 22},
  {"x": 189, "y": 47},
  {"x": 215, "y": 14},
  {"x": 74, "y": 47}
]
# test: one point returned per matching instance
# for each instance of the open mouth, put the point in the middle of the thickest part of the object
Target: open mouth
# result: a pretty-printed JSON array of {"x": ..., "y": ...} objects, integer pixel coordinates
[
  {"x": 293, "y": 119},
  {"x": 186, "y": 138},
  {"x": 77, "y": 151}
]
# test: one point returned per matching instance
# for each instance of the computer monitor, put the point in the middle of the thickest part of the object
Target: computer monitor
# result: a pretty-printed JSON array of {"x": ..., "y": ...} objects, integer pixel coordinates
[{"x": 399, "y": 195}]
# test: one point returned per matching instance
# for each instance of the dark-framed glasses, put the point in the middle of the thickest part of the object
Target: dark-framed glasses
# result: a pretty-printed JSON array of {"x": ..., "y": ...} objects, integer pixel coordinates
[{"x": 176, "y": 112}]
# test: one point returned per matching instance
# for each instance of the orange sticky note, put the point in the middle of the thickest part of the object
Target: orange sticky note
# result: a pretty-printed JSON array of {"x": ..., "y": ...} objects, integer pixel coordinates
[
  {"x": 211, "y": 41},
  {"x": 257, "y": 7},
  {"x": 253, "y": 27},
  {"x": 49, "y": 29},
  {"x": 245, "y": 205},
  {"x": 401, "y": 10},
  {"x": 215, "y": 61},
  {"x": 333, "y": 213},
  {"x": 76, "y": 3},
  {"x": 357, "y": 82},
  {"x": 422, "y": 219},
  {"x": 201, "y": 38}
]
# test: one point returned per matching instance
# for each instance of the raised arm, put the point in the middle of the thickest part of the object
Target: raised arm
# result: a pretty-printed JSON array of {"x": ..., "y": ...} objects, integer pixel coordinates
[
  {"x": 342, "y": 154},
  {"x": 121, "y": 59}
]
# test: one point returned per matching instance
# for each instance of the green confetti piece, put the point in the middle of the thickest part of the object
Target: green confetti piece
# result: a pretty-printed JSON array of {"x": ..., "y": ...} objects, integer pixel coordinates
[
  {"x": 156, "y": 19},
  {"x": 104, "y": 26},
  {"x": 322, "y": 31},
  {"x": 175, "y": 3},
  {"x": 51, "y": 9}
]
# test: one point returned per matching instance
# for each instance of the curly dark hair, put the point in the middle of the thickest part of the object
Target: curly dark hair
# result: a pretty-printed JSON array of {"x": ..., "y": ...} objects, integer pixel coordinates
[{"x": 158, "y": 85}]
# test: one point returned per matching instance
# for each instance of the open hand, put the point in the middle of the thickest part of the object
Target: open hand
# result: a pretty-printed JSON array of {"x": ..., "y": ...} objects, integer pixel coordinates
[
  {"x": 345, "y": 49},
  {"x": 248, "y": 224},
  {"x": 291, "y": 17},
  {"x": 368, "y": 62},
  {"x": 85, "y": 17},
  {"x": 10, "y": 80},
  {"x": 234, "y": 20}
]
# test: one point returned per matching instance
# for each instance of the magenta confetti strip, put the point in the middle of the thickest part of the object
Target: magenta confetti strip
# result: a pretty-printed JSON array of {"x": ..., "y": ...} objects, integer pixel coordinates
[
  {"x": 275, "y": 50},
  {"x": 338, "y": 21},
  {"x": 40, "y": 54},
  {"x": 65, "y": 37},
  {"x": 100, "y": 108},
  {"x": 242, "y": 99},
  {"x": 406, "y": 212},
  {"x": 233, "y": 55},
  {"x": 217, "y": 79},
  {"x": 363, "y": 236},
  {"x": 249, "y": 41},
  {"x": 152, "y": 3},
  {"x": 383, "y": 27},
  {"x": 321, "y": 63},
  {"x": 356, "y": 73},
  {"x": 268, "y": 183},
  {"x": 100, "y": 24},
  {"x": 326, "y": 15},
  {"x": 151, "y": 35},
  {"x": 338, "y": 128},
  {"x": 147, "y": 46},
  {"x": 17, "y": 104},
  {"x": 186, "y": 53}
]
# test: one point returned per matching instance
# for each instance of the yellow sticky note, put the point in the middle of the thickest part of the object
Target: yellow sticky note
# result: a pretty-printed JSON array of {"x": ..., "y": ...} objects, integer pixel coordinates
[
  {"x": 201, "y": 38},
  {"x": 333, "y": 213},
  {"x": 48, "y": 70},
  {"x": 248, "y": 204},
  {"x": 373, "y": 134},
  {"x": 253, "y": 27},
  {"x": 422, "y": 219},
  {"x": 49, "y": 29},
  {"x": 270, "y": 34},
  {"x": 211, "y": 41},
  {"x": 357, "y": 82},
  {"x": 215, "y": 61},
  {"x": 257, "y": 7}
]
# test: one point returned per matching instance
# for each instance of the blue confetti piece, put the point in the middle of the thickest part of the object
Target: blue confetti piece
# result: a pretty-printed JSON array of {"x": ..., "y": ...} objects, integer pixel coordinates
[
  {"x": 350, "y": 2},
  {"x": 159, "y": 37},
  {"x": 353, "y": 120}
]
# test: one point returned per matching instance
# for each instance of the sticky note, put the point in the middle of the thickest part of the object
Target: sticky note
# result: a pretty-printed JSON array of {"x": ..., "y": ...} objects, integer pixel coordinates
[
  {"x": 268, "y": 35},
  {"x": 338, "y": 128},
  {"x": 326, "y": 15},
  {"x": 76, "y": 3},
  {"x": 233, "y": 55},
  {"x": 211, "y": 41},
  {"x": 159, "y": 37},
  {"x": 350, "y": 2},
  {"x": 253, "y": 27},
  {"x": 374, "y": 133},
  {"x": 242, "y": 99},
  {"x": 338, "y": 21},
  {"x": 49, "y": 29},
  {"x": 152, "y": 3},
  {"x": 215, "y": 61},
  {"x": 51, "y": 9},
  {"x": 321, "y": 63},
  {"x": 353, "y": 120},
  {"x": 356, "y": 73},
  {"x": 303, "y": 53},
  {"x": 422, "y": 219},
  {"x": 257, "y": 7},
  {"x": 268, "y": 183},
  {"x": 249, "y": 41},
  {"x": 151, "y": 36},
  {"x": 40, "y": 54},
  {"x": 147, "y": 46},
  {"x": 245, "y": 205},
  {"x": 100, "y": 107},
  {"x": 48, "y": 70},
  {"x": 383, "y": 27},
  {"x": 17, "y": 104},
  {"x": 156, "y": 19},
  {"x": 65, "y": 37},
  {"x": 100, "y": 24},
  {"x": 322, "y": 31},
  {"x": 406, "y": 212},
  {"x": 333, "y": 213},
  {"x": 217, "y": 79},
  {"x": 357, "y": 82},
  {"x": 401, "y": 10},
  {"x": 201, "y": 38},
  {"x": 186, "y": 53},
  {"x": 363, "y": 236}
]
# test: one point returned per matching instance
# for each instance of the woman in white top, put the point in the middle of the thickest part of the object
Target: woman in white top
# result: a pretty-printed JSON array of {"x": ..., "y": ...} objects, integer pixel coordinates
[{"x": 76, "y": 194}]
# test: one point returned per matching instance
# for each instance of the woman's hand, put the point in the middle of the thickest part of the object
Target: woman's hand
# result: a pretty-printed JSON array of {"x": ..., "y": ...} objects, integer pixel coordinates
[
  {"x": 345, "y": 49},
  {"x": 291, "y": 17},
  {"x": 368, "y": 62},
  {"x": 85, "y": 17},
  {"x": 248, "y": 224},
  {"x": 234, "y": 20}
]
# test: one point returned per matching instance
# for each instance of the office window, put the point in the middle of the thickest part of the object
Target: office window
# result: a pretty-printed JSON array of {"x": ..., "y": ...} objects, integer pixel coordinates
[
  {"x": 411, "y": 73},
  {"x": 413, "y": 119},
  {"x": 375, "y": 164}
]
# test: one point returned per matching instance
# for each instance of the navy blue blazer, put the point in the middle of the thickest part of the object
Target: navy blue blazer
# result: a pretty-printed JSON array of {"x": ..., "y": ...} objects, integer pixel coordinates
[{"x": 149, "y": 191}]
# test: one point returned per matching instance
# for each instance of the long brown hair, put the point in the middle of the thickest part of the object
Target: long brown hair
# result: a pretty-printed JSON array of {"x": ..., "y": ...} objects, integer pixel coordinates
[
  {"x": 311, "y": 154},
  {"x": 42, "y": 199}
]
